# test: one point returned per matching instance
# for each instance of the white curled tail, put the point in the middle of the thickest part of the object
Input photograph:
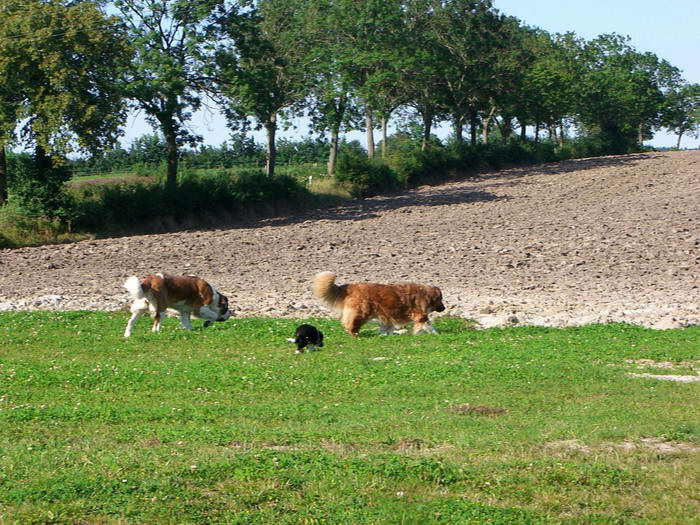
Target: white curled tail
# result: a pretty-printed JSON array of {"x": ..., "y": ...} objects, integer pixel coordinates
[{"x": 133, "y": 286}]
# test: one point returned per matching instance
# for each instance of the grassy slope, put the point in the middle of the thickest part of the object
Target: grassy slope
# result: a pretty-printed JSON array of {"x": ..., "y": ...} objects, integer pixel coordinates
[{"x": 228, "y": 425}]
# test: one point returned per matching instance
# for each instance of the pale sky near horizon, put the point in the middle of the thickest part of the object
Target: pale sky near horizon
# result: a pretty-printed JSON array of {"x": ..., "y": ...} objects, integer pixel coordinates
[{"x": 671, "y": 31}]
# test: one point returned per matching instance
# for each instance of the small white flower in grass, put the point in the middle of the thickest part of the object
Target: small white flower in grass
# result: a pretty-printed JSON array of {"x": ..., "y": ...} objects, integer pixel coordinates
[
  {"x": 193, "y": 467},
  {"x": 401, "y": 494}
]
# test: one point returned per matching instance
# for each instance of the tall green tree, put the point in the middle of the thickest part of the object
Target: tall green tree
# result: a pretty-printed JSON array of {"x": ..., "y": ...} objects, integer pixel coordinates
[
  {"x": 368, "y": 47},
  {"x": 513, "y": 56},
  {"x": 61, "y": 62},
  {"x": 11, "y": 98},
  {"x": 682, "y": 114},
  {"x": 165, "y": 79},
  {"x": 549, "y": 81},
  {"x": 620, "y": 91},
  {"x": 482, "y": 61},
  {"x": 261, "y": 66},
  {"x": 422, "y": 65},
  {"x": 336, "y": 63}
]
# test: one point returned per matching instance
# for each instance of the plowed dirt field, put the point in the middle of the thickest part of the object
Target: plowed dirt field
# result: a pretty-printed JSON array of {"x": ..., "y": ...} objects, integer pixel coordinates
[{"x": 575, "y": 242}]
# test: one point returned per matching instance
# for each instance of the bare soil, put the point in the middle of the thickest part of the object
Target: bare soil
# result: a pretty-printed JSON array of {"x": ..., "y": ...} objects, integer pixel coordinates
[{"x": 591, "y": 240}]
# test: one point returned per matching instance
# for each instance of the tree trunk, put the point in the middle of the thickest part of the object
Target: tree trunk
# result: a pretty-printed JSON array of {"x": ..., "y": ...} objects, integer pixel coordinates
[
  {"x": 506, "y": 128},
  {"x": 537, "y": 132},
  {"x": 271, "y": 128},
  {"x": 473, "y": 127},
  {"x": 486, "y": 123},
  {"x": 42, "y": 162},
  {"x": 640, "y": 134},
  {"x": 523, "y": 131},
  {"x": 172, "y": 157},
  {"x": 678, "y": 144},
  {"x": 459, "y": 130},
  {"x": 369, "y": 119},
  {"x": 427, "y": 126},
  {"x": 333, "y": 153},
  {"x": 3, "y": 175},
  {"x": 385, "y": 135},
  {"x": 561, "y": 134}
]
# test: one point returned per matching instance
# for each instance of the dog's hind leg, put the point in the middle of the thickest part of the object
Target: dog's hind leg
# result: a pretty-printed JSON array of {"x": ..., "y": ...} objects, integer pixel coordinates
[
  {"x": 351, "y": 322},
  {"x": 138, "y": 308},
  {"x": 130, "y": 325}
]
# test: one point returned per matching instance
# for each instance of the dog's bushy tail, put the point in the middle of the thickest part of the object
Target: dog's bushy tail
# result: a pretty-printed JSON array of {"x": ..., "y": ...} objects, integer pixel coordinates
[
  {"x": 133, "y": 286},
  {"x": 325, "y": 289}
]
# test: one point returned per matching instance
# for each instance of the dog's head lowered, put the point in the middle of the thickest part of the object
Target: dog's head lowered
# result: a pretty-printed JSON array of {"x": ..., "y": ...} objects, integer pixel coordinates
[
  {"x": 223, "y": 312},
  {"x": 307, "y": 336},
  {"x": 433, "y": 299}
]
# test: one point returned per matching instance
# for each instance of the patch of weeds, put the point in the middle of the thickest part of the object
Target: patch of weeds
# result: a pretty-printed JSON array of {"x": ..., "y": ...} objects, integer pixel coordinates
[{"x": 683, "y": 432}]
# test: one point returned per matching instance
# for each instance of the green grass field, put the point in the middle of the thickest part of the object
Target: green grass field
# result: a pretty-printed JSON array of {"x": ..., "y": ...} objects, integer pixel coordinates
[{"x": 228, "y": 425}]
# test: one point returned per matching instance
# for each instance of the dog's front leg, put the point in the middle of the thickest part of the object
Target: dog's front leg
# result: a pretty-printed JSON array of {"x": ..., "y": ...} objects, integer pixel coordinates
[
  {"x": 427, "y": 328},
  {"x": 386, "y": 328},
  {"x": 156, "y": 322},
  {"x": 185, "y": 321},
  {"x": 421, "y": 323}
]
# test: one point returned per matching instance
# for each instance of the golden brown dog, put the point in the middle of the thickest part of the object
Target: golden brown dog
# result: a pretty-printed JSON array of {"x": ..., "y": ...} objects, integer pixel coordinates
[{"x": 394, "y": 305}]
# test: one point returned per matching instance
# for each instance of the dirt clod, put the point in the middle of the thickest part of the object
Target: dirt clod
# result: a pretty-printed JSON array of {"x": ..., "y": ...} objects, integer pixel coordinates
[{"x": 478, "y": 410}]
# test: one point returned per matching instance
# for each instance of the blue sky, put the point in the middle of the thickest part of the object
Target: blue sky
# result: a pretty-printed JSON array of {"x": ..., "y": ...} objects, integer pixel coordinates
[{"x": 669, "y": 29}]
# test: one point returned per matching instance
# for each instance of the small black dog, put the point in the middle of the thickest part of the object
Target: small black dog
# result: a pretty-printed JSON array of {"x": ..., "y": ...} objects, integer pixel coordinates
[{"x": 307, "y": 336}]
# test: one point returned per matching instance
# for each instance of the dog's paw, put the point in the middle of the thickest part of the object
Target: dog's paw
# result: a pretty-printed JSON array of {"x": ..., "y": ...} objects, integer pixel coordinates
[{"x": 291, "y": 340}]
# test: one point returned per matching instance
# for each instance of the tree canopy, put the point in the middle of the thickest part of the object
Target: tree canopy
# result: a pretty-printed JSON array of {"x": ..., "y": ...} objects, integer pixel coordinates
[
  {"x": 68, "y": 71},
  {"x": 60, "y": 65}
]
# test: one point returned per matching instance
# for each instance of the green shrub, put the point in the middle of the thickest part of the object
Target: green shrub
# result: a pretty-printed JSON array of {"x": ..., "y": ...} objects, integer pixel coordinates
[
  {"x": 5, "y": 242},
  {"x": 18, "y": 227},
  {"x": 413, "y": 166},
  {"x": 603, "y": 143},
  {"x": 361, "y": 175},
  {"x": 38, "y": 187},
  {"x": 544, "y": 152},
  {"x": 133, "y": 205}
]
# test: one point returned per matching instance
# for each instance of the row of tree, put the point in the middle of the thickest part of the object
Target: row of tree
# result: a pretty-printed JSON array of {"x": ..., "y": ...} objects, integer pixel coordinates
[
  {"x": 149, "y": 151},
  {"x": 70, "y": 70}
]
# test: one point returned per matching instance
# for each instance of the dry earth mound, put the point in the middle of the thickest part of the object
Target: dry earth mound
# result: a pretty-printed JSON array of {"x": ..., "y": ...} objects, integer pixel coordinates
[{"x": 581, "y": 241}]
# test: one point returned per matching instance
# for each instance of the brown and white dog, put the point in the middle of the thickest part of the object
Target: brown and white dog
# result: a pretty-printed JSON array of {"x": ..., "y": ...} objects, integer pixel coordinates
[
  {"x": 394, "y": 305},
  {"x": 187, "y": 294}
]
